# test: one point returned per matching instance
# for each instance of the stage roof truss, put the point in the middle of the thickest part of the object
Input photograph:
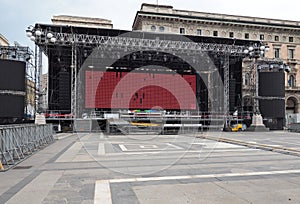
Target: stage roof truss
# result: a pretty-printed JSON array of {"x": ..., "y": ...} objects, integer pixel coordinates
[{"x": 128, "y": 43}]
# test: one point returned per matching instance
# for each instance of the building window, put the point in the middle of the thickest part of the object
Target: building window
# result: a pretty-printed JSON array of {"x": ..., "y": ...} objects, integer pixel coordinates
[
  {"x": 246, "y": 35},
  {"x": 291, "y": 53},
  {"x": 182, "y": 30},
  {"x": 276, "y": 53},
  {"x": 231, "y": 34},
  {"x": 276, "y": 38},
  {"x": 291, "y": 81},
  {"x": 215, "y": 33},
  {"x": 162, "y": 29},
  {"x": 153, "y": 28},
  {"x": 247, "y": 79},
  {"x": 199, "y": 32},
  {"x": 261, "y": 37},
  {"x": 291, "y": 39}
]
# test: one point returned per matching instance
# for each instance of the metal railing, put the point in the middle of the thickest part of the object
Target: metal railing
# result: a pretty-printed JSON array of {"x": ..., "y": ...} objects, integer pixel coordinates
[{"x": 19, "y": 141}]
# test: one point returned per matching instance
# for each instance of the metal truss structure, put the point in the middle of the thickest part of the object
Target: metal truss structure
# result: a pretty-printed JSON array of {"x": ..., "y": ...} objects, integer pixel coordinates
[
  {"x": 226, "y": 86},
  {"x": 127, "y": 42},
  {"x": 20, "y": 53},
  {"x": 47, "y": 37}
]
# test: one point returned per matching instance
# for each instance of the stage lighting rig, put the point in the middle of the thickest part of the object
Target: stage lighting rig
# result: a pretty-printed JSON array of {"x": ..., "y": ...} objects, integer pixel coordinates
[
  {"x": 37, "y": 34},
  {"x": 257, "y": 50}
]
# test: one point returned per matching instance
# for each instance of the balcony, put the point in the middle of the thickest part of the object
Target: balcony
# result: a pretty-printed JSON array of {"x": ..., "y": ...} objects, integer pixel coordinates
[
  {"x": 295, "y": 88},
  {"x": 292, "y": 61}
]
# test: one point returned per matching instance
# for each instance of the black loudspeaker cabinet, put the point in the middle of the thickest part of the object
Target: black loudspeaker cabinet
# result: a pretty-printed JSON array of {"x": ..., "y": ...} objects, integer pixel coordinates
[
  {"x": 271, "y": 84},
  {"x": 11, "y": 106},
  {"x": 12, "y": 75},
  {"x": 273, "y": 112},
  {"x": 12, "y": 78},
  {"x": 64, "y": 95},
  {"x": 272, "y": 108},
  {"x": 232, "y": 93}
]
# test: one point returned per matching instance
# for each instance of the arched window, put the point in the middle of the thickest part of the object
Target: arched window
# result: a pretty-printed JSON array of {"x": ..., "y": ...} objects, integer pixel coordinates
[
  {"x": 292, "y": 105},
  {"x": 153, "y": 28},
  {"x": 291, "y": 81},
  {"x": 247, "y": 79}
]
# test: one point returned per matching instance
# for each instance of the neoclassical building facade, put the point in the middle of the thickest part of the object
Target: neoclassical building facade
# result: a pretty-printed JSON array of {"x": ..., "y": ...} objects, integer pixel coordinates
[
  {"x": 3, "y": 41},
  {"x": 282, "y": 37}
]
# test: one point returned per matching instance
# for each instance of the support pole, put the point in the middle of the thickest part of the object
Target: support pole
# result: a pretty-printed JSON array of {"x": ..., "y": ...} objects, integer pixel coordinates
[
  {"x": 226, "y": 89},
  {"x": 257, "y": 120},
  {"x": 74, "y": 82}
]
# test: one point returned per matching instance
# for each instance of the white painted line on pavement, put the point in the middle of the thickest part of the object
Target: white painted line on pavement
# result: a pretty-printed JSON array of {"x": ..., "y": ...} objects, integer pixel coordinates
[
  {"x": 261, "y": 173},
  {"x": 148, "y": 146},
  {"x": 199, "y": 143},
  {"x": 175, "y": 146},
  {"x": 123, "y": 148},
  {"x": 101, "y": 149},
  {"x": 102, "y": 192},
  {"x": 163, "y": 151}
]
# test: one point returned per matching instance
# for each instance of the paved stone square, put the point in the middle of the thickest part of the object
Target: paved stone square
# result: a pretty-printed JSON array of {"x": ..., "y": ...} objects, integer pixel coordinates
[{"x": 97, "y": 168}]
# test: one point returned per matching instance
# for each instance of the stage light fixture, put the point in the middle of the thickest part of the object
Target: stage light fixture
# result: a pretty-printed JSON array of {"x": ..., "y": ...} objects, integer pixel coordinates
[
  {"x": 28, "y": 33},
  {"x": 85, "y": 53},
  {"x": 53, "y": 40},
  {"x": 262, "y": 48},
  {"x": 49, "y": 35},
  {"x": 287, "y": 69},
  {"x": 271, "y": 66},
  {"x": 281, "y": 67},
  {"x": 27, "y": 57},
  {"x": 165, "y": 58},
  {"x": 14, "y": 54},
  {"x": 38, "y": 33}
]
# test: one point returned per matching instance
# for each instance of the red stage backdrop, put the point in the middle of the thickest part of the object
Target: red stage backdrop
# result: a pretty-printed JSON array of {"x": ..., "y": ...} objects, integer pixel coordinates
[{"x": 128, "y": 90}]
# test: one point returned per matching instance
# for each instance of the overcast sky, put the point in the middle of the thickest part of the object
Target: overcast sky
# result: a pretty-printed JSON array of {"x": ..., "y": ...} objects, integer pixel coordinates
[{"x": 17, "y": 15}]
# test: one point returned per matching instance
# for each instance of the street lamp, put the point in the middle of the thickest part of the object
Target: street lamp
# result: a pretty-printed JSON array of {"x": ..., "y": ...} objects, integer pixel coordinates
[
  {"x": 37, "y": 35},
  {"x": 255, "y": 52}
]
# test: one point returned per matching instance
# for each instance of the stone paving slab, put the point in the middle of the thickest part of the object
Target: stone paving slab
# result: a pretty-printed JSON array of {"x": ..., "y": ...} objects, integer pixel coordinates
[{"x": 199, "y": 171}]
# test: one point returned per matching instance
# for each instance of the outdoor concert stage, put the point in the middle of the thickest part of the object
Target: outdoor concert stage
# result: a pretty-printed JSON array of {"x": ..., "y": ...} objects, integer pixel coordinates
[{"x": 108, "y": 70}]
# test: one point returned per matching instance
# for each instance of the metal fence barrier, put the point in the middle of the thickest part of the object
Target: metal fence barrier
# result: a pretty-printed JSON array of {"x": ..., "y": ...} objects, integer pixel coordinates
[
  {"x": 293, "y": 127},
  {"x": 19, "y": 141}
]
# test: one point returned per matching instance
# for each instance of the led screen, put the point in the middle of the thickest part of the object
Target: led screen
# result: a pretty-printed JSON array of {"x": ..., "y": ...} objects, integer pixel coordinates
[{"x": 128, "y": 90}]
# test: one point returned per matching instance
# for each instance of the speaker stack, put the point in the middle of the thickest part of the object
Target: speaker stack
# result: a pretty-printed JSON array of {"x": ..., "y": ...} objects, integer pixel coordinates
[{"x": 272, "y": 106}]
